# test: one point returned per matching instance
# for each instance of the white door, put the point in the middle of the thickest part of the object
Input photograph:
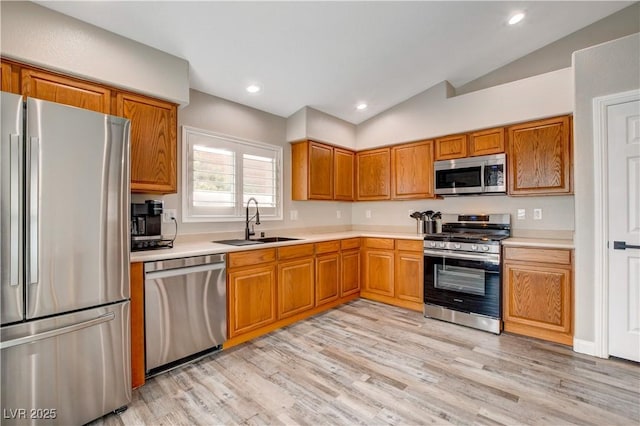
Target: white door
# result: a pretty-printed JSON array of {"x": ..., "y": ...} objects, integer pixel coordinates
[{"x": 623, "y": 135}]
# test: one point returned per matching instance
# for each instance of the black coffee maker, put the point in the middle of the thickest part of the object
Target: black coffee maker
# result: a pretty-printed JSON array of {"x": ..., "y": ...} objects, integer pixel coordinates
[{"x": 146, "y": 225}]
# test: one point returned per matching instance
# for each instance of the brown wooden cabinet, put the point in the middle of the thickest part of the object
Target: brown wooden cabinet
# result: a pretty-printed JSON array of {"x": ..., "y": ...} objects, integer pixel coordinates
[
  {"x": 412, "y": 170},
  {"x": 538, "y": 293},
  {"x": 153, "y": 142},
  {"x": 65, "y": 90},
  {"x": 327, "y": 272},
  {"x": 450, "y": 147},
  {"x": 10, "y": 77},
  {"x": 321, "y": 172},
  {"x": 295, "y": 279},
  {"x": 350, "y": 267},
  {"x": 540, "y": 157},
  {"x": 343, "y": 174},
  {"x": 378, "y": 267},
  {"x": 137, "y": 325},
  {"x": 251, "y": 291},
  {"x": 373, "y": 174},
  {"x": 486, "y": 142},
  {"x": 409, "y": 272}
]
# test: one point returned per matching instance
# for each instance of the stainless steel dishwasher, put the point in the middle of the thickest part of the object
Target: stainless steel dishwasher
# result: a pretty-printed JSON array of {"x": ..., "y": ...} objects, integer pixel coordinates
[{"x": 185, "y": 310}]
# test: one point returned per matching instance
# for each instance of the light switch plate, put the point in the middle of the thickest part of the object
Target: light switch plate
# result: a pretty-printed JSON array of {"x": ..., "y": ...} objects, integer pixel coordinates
[
  {"x": 338, "y": 214},
  {"x": 293, "y": 214},
  {"x": 537, "y": 214},
  {"x": 367, "y": 214},
  {"x": 522, "y": 214},
  {"x": 167, "y": 214}
]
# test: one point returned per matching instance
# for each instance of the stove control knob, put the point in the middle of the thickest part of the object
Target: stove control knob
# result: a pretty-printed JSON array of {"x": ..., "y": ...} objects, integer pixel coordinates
[
  {"x": 485, "y": 248},
  {"x": 474, "y": 247},
  {"x": 432, "y": 243},
  {"x": 441, "y": 245},
  {"x": 456, "y": 246}
]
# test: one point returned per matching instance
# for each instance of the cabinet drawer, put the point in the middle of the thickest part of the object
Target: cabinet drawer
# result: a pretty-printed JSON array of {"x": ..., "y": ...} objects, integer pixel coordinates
[
  {"x": 292, "y": 252},
  {"x": 410, "y": 245},
  {"x": 543, "y": 255},
  {"x": 251, "y": 257},
  {"x": 327, "y": 246},
  {"x": 351, "y": 243},
  {"x": 380, "y": 243}
]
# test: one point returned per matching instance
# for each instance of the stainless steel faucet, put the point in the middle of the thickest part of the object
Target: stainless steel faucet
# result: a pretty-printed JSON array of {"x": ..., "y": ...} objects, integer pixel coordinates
[{"x": 248, "y": 233}]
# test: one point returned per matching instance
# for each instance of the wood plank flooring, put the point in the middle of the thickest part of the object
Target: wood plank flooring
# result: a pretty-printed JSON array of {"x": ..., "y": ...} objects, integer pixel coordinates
[{"x": 372, "y": 364}]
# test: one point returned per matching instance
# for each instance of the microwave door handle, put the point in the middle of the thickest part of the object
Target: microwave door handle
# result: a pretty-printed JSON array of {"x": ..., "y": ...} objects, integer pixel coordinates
[{"x": 482, "y": 176}]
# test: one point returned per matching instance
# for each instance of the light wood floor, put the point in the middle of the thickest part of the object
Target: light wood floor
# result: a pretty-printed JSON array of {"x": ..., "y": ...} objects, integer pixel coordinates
[{"x": 368, "y": 363}]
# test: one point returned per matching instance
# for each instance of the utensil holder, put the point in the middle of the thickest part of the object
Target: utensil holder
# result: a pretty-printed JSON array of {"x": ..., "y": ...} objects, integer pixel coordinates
[{"x": 429, "y": 227}]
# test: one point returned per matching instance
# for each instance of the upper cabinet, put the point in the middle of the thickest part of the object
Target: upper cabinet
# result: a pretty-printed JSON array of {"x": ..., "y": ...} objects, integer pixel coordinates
[
  {"x": 321, "y": 172},
  {"x": 539, "y": 157},
  {"x": 412, "y": 170},
  {"x": 10, "y": 78},
  {"x": 450, "y": 147},
  {"x": 485, "y": 142},
  {"x": 153, "y": 142},
  {"x": 373, "y": 174},
  {"x": 65, "y": 90}
]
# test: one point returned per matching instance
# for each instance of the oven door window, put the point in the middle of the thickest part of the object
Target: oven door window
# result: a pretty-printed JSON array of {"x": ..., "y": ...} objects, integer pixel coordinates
[
  {"x": 467, "y": 177},
  {"x": 460, "y": 279}
]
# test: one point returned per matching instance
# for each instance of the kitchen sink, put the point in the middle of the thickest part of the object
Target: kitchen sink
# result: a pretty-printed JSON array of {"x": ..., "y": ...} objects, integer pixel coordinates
[
  {"x": 256, "y": 241},
  {"x": 275, "y": 239}
]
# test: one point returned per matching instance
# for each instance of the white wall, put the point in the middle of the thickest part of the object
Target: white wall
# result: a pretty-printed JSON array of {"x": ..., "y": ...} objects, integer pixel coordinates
[
  {"x": 608, "y": 68},
  {"x": 36, "y": 35},
  {"x": 230, "y": 118},
  {"x": 309, "y": 123},
  {"x": 434, "y": 113}
]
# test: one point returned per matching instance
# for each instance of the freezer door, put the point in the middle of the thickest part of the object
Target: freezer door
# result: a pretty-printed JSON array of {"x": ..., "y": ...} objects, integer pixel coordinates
[
  {"x": 11, "y": 193},
  {"x": 66, "y": 370},
  {"x": 77, "y": 209}
]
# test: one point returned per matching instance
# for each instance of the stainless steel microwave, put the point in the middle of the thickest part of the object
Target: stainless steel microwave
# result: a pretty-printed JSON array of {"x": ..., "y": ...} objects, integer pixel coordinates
[{"x": 474, "y": 175}]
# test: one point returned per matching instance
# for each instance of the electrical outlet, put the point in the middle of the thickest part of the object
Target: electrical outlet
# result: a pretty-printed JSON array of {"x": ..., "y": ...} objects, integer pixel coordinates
[
  {"x": 367, "y": 214},
  {"x": 293, "y": 214},
  {"x": 522, "y": 214},
  {"x": 168, "y": 214},
  {"x": 338, "y": 214},
  {"x": 537, "y": 214}
]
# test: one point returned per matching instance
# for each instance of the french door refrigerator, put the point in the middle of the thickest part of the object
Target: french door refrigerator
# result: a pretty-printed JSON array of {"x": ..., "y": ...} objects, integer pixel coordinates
[{"x": 64, "y": 263}]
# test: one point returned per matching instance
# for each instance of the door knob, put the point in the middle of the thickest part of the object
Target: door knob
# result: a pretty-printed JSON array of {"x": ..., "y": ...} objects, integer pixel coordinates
[{"x": 622, "y": 245}]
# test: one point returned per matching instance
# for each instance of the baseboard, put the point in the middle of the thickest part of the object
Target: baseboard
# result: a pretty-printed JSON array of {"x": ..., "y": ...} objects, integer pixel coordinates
[{"x": 586, "y": 347}]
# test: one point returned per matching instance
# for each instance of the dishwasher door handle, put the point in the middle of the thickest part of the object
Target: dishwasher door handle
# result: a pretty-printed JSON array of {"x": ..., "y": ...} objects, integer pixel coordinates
[{"x": 183, "y": 271}]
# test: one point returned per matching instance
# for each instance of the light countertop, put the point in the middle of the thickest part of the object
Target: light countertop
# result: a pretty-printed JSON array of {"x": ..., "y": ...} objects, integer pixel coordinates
[
  {"x": 538, "y": 242},
  {"x": 200, "y": 248}
]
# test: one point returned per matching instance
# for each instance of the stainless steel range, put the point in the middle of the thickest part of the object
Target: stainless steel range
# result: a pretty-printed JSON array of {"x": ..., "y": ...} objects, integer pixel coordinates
[{"x": 462, "y": 270}]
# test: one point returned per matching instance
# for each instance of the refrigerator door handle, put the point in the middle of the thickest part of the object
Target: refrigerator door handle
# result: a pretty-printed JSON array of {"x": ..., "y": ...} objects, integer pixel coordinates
[
  {"x": 34, "y": 186},
  {"x": 14, "y": 230},
  {"x": 58, "y": 331}
]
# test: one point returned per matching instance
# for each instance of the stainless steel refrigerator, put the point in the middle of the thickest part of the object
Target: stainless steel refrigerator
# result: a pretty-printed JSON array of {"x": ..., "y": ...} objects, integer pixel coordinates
[{"x": 64, "y": 263}]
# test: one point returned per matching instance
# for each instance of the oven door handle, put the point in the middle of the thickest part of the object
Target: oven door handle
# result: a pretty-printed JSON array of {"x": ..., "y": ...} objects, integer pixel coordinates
[{"x": 490, "y": 258}]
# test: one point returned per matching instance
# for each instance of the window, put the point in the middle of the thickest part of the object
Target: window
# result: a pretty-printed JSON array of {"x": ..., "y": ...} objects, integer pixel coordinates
[{"x": 220, "y": 174}]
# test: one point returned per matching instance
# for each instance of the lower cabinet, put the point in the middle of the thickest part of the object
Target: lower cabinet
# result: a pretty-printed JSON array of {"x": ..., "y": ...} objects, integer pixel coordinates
[
  {"x": 295, "y": 287},
  {"x": 251, "y": 290},
  {"x": 393, "y": 272},
  {"x": 538, "y": 293},
  {"x": 327, "y": 278},
  {"x": 350, "y": 272}
]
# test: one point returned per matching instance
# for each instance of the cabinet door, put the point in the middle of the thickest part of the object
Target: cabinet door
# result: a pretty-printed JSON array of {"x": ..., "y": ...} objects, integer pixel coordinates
[
  {"x": 485, "y": 142},
  {"x": 379, "y": 272},
  {"x": 540, "y": 157},
  {"x": 343, "y": 174},
  {"x": 373, "y": 169},
  {"x": 409, "y": 280},
  {"x": 137, "y": 325},
  {"x": 450, "y": 147},
  {"x": 295, "y": 287},
  {"x": 327, "y": 278},
  {"x": 10, "y": 78},
  {"x": 65, "y": 90},
  {"x": 412, "y": 170},
  {"x": 252, "y": 299},
  {"x": 153, "y": 143},
  {"x": 320, "y": 171},
  {"x": 350, "y": 265},
  {"x": 538, "y": 301}
]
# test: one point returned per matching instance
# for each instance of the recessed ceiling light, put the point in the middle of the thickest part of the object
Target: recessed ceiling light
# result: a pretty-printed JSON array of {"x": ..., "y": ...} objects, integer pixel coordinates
[
  {"x": 361, "y": 106},
  {"x": 516, "y": 18},
  {"x": 253, "y": 88}
]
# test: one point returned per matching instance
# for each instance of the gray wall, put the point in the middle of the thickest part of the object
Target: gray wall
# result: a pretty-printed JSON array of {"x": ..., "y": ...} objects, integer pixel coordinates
[
  {"x": 36, "y": 35},
  {"x": 609, "y": 68},
  {"x": 557, "y": 55},
  {"x": 230, "y": 118}
]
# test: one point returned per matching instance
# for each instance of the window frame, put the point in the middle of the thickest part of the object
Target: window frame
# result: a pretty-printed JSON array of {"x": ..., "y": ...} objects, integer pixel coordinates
[{"x": 239, "y": 215}]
